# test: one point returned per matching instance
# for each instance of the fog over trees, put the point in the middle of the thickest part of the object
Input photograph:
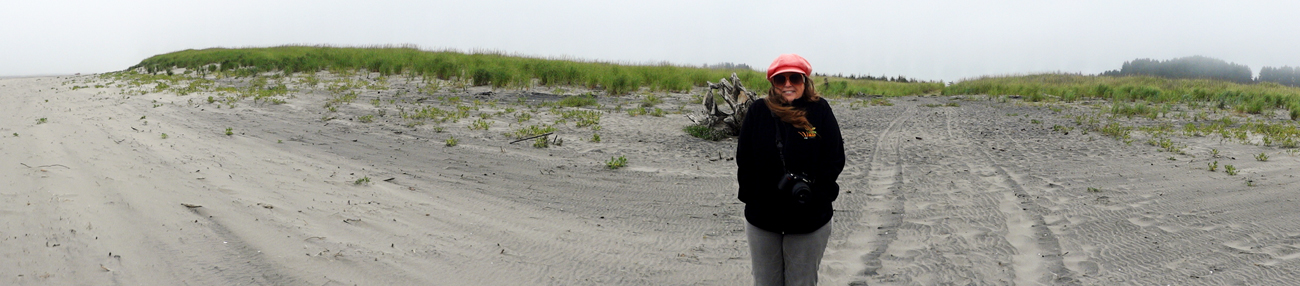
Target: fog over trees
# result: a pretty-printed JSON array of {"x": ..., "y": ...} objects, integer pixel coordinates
[
  {"x": 1207, "y": 68},
  {"x": 1286, "y": 75},
  {"x": 1186, "y": 67}
]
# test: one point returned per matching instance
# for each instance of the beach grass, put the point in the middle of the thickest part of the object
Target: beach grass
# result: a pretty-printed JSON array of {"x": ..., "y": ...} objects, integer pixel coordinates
[
  {"x": 494, "y": 69},
  {"x": 1141, "y": 95},
  {"x": 480, "y": 69}
]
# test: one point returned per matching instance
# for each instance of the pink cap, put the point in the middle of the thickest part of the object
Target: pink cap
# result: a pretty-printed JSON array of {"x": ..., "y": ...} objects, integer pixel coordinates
[{"x": 789, "y": 63}]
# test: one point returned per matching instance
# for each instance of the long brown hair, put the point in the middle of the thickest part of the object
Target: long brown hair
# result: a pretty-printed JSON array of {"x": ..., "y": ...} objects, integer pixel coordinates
[{"x": 787, "y": 113}]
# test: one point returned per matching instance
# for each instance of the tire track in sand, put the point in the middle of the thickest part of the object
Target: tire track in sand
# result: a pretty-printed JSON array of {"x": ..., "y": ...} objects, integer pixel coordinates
[
  {"x": 882, "y": 210},
  {"x": 1037, "y": 250}
]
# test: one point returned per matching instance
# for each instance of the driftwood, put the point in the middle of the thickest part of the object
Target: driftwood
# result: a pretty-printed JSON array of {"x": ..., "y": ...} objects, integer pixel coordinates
[{"x": 726, "y": 119}]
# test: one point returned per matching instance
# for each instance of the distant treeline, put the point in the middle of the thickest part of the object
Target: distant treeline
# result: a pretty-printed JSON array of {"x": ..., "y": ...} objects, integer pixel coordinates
[
  {"x": 727, "y": 66},
  {"x": 1199, "y": 67},
  {"x": 1188, "y": 67},
  {"x": 869, "y": 77},
  {"x": 1288, "y": 76}
]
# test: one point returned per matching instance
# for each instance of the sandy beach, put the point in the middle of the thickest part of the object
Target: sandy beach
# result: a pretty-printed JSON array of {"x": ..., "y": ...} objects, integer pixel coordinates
[{"x": 102, "y": 188}]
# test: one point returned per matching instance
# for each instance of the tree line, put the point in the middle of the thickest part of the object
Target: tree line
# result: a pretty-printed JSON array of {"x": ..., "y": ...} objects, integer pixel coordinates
[
  {"x": 1207, "y": 68},
  {"x": 1286, "y": 75}
]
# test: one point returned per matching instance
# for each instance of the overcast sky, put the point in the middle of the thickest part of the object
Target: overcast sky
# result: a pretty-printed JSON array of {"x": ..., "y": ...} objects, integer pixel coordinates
[{"x": 927, "y": 40}]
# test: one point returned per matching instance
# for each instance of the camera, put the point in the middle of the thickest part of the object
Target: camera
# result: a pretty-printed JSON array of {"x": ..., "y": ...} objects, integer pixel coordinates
[{"x": 798, "y": 186}]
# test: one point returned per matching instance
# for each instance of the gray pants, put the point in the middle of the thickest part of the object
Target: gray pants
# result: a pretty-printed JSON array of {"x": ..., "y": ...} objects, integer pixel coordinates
[{"x": 786, "y": 259}]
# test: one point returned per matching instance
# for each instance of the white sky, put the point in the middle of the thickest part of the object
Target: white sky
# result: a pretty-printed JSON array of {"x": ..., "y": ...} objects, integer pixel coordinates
[{"x": 926, "y": 40}]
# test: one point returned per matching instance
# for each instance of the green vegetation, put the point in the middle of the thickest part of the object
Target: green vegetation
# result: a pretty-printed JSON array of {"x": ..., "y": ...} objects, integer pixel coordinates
[
  {"x": 1231, "y": 170},
  {"x": 531, "y": 130},
  {"x": 42, "y": 120},
  {"x": 577, "y": 101},
  {"x": 481, "y": 69},
  {"x": 486, "y": 69},
  {"x": 855, "y": 105},
  {"x": 1213, "y": 166},
  {"x": 1261, "y": 157},
  {"x": 452, "y": 141},
  {"x": 366, "y": 118},
  {"x": 584, "y": 117},
  {"x": 595, "y": 137},
  {"x": 836, "y": 86},
  {"x": 229, "y": 131},
  {"x": 541, "y": 142},
  {"x": 615, "y": 163},
  {"x": 1065, "y": 130},
  {"x": 164, "y": 136},
  {"x": 362, "y": 180},
  {"x": 651, "y": 101},
  {"x": 480, "y": 124},
  {"x": 704, "y": 132},
  {"x": 1134, "y": 95}
]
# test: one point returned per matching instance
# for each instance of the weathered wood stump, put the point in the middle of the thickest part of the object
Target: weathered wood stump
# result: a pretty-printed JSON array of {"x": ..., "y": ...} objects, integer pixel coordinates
[{"x": 726, "y": 119}]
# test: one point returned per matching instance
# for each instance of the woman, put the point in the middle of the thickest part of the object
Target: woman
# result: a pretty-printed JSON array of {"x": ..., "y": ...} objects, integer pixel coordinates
[{"x": 788, "y": 225}]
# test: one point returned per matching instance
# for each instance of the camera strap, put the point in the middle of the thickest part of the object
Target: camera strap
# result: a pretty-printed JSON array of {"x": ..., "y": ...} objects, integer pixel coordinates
[{"x": 780, "y": 149}]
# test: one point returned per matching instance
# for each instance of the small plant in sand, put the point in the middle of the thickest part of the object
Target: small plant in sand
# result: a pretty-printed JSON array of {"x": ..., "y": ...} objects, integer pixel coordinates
[
  {"x": 531, "y": 130},
  {"x": 657, "y": 112},
  {"x": 41, "y": 121},
  {"x": 480, "y": 124},
  {"x": 703, "y": 132},
  {"x": 451, "y": 142},
  {"x": 363, "y": 180},
  {"x": 584, "y": 117},
  {"x": 615, "y": 163},
  {"x": 577, "y": 101},
  {"x": 438, "y": 129},
  {"x": 541, "y": 142},
  {"x": 636, "y": 111},
  {"x": 1231, "y": 170},
  {"x": 595, "y": 137},
  {"x": 1116, "y": 130},
  {"x": 164, "y": 136},
  {"x": 15, "y": 134},
  {"x": 1212, "y": 166},
  {"x": 872, "y": 102},
  {"x": 230, "y": 131},
  {"x": 1093, "y": 190},
  {"x": 651, "y": 100},
  {"x": 1063, "y": 129},
  {"x": 1214, "y": 153},
  {"x": 1261, "y": 157},
  {"x": 366, "y": 118}
]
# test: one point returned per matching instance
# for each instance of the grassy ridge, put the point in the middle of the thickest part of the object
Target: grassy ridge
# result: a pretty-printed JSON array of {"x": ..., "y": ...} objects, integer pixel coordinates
[
  {"x": 484, "y": 69},
  {"x": 1249, "y": 98},
  {"x": 497, "y": 70},
  {"x": 837, "y": 86}
]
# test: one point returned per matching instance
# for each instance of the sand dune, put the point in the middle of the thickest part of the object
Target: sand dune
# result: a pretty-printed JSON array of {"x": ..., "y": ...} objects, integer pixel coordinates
[{"x": 975, "y": 194}]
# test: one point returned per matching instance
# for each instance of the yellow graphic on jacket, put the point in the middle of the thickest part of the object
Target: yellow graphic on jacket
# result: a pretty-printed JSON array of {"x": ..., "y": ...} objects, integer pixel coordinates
[{"x": 810, "y": 133}]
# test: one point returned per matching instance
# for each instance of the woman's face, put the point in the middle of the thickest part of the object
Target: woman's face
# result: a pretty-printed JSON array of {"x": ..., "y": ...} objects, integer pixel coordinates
[{"x": 789, "y": 85}]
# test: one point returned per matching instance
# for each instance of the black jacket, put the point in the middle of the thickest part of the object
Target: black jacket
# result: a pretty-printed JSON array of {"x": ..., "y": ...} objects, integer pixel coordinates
[{"x": 759, "y": 167}]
